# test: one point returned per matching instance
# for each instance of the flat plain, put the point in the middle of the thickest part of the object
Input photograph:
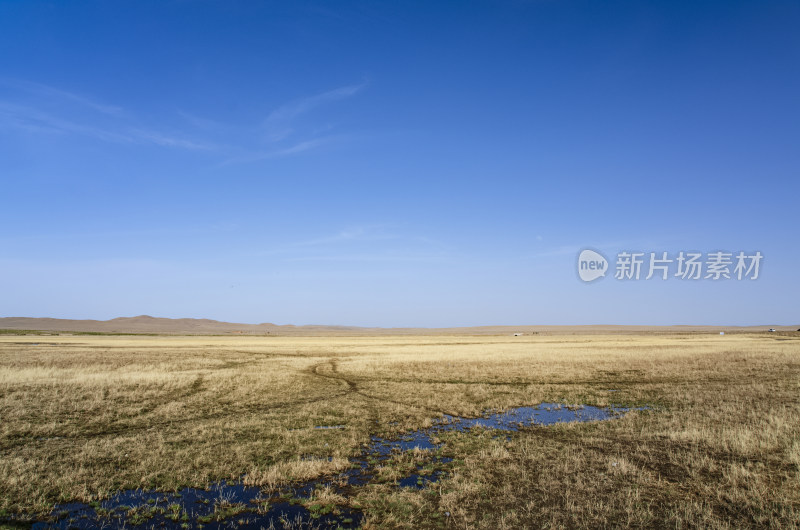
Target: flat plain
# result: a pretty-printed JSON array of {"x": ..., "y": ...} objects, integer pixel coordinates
[{"x": 718, "y": 445}]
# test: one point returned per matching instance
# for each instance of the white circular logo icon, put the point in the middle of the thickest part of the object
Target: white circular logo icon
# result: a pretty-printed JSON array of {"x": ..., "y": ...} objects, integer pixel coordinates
[{"x": 591, "y": 265}]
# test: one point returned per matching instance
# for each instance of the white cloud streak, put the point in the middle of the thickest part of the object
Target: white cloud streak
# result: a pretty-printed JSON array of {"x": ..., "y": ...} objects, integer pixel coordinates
[
  {"x": 289, "y": 150},
  {"x": 33, "y": 120},
  {"x": 56, "y": 93},
  {"x": 278, "y": 125},
  {"x": 37, "y": 108}
]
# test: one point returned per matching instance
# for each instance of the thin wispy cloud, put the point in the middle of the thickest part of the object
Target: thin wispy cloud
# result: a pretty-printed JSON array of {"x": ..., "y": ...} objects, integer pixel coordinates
[
  {"x": 277, "y": 152},
  {"x": 300, "y": 147},
  {"x": 369, "y": 233},
  {"x": 349, "y": 234},
  {"x": 38, "y": 108},
  {"x": 376, "y": 242},
  {"x": 279, "y": 124},
  {"x": 43, "y": 109},
  {"x": 34, "y": 120},
  {"x": 366, "y": 243},
  {"x": 372, "y": 233},
  {"x": 56, "y": 93},
  {"x": 203, "y": 123},
  {"x": 283, "y": 136},
  {"x": 169, "y": 141}
]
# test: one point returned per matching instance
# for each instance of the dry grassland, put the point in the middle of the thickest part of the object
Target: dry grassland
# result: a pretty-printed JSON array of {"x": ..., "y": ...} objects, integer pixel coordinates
[{"x": 82, "y": 417}]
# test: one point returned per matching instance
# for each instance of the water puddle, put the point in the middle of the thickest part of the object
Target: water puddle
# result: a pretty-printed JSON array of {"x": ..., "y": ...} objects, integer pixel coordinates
[{"x": 234, "y": 505}]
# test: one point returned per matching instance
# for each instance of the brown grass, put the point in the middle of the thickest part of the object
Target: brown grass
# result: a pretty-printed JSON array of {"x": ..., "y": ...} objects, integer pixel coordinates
[{"x": 85, "y": 416}]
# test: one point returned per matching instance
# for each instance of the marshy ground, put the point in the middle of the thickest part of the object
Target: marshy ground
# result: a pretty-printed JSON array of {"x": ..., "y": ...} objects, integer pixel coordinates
[{"x": 84, "y": 417}]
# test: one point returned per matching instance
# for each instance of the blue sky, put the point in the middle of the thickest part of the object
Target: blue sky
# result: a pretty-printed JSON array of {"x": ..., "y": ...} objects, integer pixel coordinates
[{"x": 395, "y": 163}]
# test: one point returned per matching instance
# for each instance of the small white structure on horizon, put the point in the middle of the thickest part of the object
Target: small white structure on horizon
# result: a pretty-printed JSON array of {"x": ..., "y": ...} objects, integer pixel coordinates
[
  {"x": 518, "y": 334},
  {"x": 721, "y": 332},
  {"x": 772, "y": 329}
]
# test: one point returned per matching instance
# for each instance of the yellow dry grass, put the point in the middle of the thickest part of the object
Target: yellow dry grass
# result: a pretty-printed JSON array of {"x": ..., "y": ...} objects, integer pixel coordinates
[{"x": 85, "y": 416}]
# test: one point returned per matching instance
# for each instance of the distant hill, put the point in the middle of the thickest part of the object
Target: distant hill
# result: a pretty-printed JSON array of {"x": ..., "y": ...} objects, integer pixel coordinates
[
  {"x": 148, "y": 324},
  {"x": 204, "y": 326}
]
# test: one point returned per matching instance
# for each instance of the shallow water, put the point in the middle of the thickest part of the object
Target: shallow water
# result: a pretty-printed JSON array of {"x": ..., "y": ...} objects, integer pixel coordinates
[{"x": 212, "y": 507}]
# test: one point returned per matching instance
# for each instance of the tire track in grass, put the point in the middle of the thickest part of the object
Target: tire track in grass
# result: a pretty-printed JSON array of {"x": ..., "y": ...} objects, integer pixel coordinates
[
  {"x": 196, "y": 387},
  {"x": 352, "y": 387}
]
